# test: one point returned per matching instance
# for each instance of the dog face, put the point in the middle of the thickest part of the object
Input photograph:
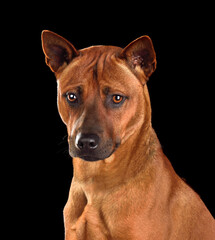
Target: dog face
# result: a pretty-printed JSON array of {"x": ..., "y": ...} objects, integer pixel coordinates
[{"x": 99, "y": 91}]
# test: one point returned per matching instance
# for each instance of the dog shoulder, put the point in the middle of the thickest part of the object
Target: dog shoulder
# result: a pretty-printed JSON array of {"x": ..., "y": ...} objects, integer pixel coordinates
[{"x": 190, "y": 212}]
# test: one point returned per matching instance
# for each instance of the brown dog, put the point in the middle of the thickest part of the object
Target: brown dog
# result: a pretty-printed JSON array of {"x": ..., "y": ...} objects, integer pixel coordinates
[{"x": 124, "y": 187}]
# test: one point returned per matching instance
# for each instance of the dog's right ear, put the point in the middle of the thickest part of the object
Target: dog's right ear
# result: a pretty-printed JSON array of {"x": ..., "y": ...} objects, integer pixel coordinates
[{"x": 58, "y": 51}]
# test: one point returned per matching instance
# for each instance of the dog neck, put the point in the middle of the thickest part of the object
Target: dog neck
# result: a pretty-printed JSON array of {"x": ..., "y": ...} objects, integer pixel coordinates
[{"x": 120, "y": 166}]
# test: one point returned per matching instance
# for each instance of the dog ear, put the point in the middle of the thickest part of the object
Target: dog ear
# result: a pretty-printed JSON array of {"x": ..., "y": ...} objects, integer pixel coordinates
[
  {"x": 58, "y": 51},
  {"x": 140, "y": 53}
]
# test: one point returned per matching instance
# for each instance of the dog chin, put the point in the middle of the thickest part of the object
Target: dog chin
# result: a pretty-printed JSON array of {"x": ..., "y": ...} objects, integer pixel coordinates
[
  {"x": 94, "y": 158},
  {"x": 90, "y": 158}
]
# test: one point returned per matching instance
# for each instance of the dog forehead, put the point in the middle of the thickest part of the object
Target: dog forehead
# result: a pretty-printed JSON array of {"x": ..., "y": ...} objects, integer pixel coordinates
[{"x": 98, "y": 64}]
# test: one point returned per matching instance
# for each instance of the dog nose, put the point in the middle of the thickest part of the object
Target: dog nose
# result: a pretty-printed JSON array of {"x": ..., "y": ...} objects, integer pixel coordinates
[{"x": 87, "y": 141}]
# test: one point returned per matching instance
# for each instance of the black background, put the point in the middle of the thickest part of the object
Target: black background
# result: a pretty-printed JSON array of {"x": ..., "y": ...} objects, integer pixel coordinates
[{"x": 181, "y": 91}]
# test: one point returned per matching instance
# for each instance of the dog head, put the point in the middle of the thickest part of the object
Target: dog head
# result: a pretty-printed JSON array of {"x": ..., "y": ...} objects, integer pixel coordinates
[{"x": 102, "y": 95}]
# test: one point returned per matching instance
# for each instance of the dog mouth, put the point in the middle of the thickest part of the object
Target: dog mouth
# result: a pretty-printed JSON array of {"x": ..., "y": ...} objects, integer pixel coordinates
[{"x": 94, "y": 155}]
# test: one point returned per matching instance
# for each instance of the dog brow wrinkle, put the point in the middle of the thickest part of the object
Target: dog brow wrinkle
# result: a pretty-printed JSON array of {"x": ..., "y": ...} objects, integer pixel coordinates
[
  {"x": 104, "y": 63},
  {"x": 95, "y": 74}
]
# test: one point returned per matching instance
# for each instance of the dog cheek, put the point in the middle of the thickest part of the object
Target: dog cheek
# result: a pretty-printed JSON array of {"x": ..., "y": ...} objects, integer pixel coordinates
[
  {"x": 131, "y": 121},
  {"x": 63, "y": 111},
  {"x": 121, "y": 121}
]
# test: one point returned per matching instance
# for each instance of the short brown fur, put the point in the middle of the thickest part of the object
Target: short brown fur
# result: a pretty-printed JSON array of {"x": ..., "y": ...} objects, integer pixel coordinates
[{"x": 133, "y": 194}]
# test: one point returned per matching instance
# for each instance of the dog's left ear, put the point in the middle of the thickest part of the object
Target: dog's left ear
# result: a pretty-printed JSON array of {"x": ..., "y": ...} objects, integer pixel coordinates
[{"x": 140, "y": 55}]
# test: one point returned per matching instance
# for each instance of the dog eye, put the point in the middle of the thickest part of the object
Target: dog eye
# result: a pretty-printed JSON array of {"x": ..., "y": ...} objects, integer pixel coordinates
[
  {"x": 117, "y": 99},
  {"x": 71, "y": 97}
]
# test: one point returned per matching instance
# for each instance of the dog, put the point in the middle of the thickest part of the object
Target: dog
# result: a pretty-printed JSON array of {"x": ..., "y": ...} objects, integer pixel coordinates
[{"x": 123, "y": 186}]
